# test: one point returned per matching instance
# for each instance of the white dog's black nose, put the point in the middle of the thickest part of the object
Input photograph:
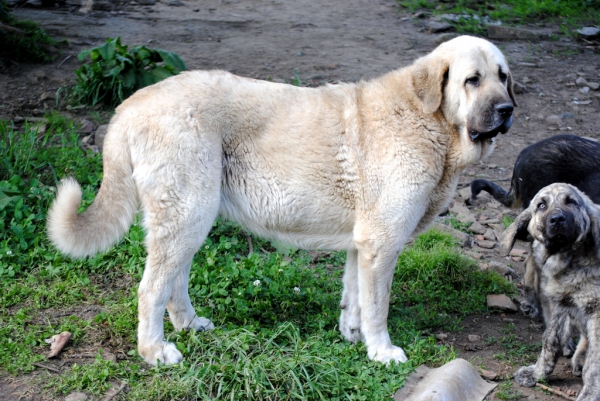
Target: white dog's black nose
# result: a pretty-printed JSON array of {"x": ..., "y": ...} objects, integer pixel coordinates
[{"x": 504, "y": 109}]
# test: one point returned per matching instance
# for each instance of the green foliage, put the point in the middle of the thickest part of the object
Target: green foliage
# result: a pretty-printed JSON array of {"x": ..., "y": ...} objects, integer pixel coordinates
[
  {"x": 115, "y": 72},
  {"x": 24, "y": 40},
  {"x": 276, "y": 314},
  {"x": 567, "y": 13}
]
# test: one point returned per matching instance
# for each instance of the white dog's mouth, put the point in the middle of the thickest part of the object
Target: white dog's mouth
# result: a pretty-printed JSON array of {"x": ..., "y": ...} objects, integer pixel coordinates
[{"x": 501, "y": 129}]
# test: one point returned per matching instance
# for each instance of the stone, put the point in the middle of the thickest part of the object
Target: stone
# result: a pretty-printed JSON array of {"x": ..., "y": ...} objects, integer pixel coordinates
[
  {"x": 585, "y": 90},
  {"x": 437, "y": 27},
  {"x": 464, "y": 238},
  {"x": 500, "y": 302},
  {"x": 588, "y": 32},
  {"x": 501, "y": 268},
  {"x": 99, "y": 136},
  {"x": 465, "y": 192},
  {"x": 581, "y": 81},
  {"x": 553, "y": 119},
  {"x": 518, "y": 88},
  {"x": 486, "y": 244},
  {"x": 518, "y": 252},
  {"x": 175, "y": 3},
  {"x": 489, "y": 235},
  {"x": 76, "y": 397},
  {"x": 445, "y": 37},
  {"x": 146, "y": 2},
  {"x": 488, "y": 374},
  {"x": 473, "y": 338},
  {"x": 505, "y": 32},
  {"x": 47, "y": 96},
  {"x": 477, "y": 228},
  {"x": 441, "y": 336}
]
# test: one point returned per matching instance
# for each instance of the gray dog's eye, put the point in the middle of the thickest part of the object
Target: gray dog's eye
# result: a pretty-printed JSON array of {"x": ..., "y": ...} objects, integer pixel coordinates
[
  {"x": 571, "y": 201},
  {"x": 473, "y": 81},
  {"x": 541, "y": 205}
]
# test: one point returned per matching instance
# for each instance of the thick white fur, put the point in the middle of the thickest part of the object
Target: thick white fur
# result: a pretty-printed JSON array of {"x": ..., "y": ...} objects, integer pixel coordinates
[{"x": 359, "y": 167}]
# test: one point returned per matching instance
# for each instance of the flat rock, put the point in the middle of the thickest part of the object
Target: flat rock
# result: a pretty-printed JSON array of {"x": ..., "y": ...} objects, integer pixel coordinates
[
  {"x": 477, "y": 228},
  {"x": 501, "y": 302},
  {"x": 501, "y": 268},
  {"x": 464, "y": 238},
  {"x": 489, "y": 235},
  {"x": 474, "y": 338},
  {"x": 486, "y": 244},
  {"x": 77, "y": 397},
  {"x": 517, "y": 252},
  {"x": 437, "y": 27},
  {"x": 518, "y": 88},
  {"x": 488, "y": 374},
  {"x": 505, "y": 32},
  {"x": 588, "y": 32},
  {"x": 553, "y": 119}
]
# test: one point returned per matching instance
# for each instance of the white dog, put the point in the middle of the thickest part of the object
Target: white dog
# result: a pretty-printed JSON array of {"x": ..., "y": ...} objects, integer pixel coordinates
[{"x": 359, "y": 167}]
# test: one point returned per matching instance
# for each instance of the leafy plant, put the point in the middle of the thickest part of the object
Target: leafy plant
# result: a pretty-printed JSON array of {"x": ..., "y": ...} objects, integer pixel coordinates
[
  {"x": 115, "y": 72},
  {"x": 23, "y": 40}
]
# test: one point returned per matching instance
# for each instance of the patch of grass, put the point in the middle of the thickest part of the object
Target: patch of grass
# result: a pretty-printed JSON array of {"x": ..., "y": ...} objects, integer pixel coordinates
[
  {"x": 115, "y": 72},
  {"x": 453, "y": 222},
  {"x": 23, "y": 40},
  {"x": 474, "y": 14},
  {"x": 507, "y": 220},
  {"x": 276, "y": 313},
  {"x": 515, "y": 350},
  {"x": 507, "y": 392}
]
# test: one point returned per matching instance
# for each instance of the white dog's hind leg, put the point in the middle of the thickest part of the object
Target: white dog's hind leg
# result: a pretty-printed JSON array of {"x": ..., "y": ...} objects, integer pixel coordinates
[
  {"x": 350, "y": 316},
  {"x": 375, "y": 274},
  {"x": 182, "y": 313}
]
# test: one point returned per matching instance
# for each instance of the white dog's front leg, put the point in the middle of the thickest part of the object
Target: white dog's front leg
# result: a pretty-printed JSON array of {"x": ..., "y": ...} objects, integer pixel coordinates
[
  {"x": 350, "y": 316},
  {"x": 375, "y": 274}
]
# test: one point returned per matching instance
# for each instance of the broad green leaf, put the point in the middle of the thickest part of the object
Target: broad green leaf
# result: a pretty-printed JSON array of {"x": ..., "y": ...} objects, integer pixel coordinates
[{"x": 172, "y": 60}]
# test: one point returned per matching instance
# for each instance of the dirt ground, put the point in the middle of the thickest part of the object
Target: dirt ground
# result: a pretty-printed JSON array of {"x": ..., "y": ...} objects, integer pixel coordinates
[{"x": 326, "y": 42}]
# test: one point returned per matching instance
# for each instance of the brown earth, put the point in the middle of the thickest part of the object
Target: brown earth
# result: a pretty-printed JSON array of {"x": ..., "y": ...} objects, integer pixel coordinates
[{"x": 327, "y": 42}]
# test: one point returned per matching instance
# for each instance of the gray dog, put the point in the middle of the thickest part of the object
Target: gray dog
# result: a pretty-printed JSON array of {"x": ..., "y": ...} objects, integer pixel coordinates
[{"x": 565, "y": 226}]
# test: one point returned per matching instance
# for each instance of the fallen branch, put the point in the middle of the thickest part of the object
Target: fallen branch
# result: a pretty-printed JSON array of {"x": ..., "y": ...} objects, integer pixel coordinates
[
  {"x": 554, "y": 391},
  {"x": 50, "y": 368},
  {"x": 110, "y": 397}
]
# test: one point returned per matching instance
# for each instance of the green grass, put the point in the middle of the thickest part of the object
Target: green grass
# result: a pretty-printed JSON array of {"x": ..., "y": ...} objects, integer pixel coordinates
[
  {"x": 278, "y": 340},
  {"x": 568, "y": 14}
]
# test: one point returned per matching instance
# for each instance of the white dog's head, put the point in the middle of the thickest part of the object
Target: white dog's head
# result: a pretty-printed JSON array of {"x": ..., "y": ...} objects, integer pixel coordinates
[{"x": 468, "y": 80}]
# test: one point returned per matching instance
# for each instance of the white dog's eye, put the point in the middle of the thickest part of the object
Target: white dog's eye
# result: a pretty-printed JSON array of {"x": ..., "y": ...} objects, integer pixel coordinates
[
  {"x": 503, "y": 77},
  {"x": 473, "y": 81}
]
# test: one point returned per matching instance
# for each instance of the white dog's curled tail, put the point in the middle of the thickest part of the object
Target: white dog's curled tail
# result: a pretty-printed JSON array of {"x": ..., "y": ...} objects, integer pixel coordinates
[{"x": 104, "y": 221}]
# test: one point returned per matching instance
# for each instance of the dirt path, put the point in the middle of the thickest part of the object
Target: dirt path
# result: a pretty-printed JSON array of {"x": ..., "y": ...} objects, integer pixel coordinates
[{"x": 336, "y": 40}]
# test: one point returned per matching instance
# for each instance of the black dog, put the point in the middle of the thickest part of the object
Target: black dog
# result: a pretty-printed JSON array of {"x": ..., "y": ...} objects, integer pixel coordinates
[{"x": 563, "y": 158}]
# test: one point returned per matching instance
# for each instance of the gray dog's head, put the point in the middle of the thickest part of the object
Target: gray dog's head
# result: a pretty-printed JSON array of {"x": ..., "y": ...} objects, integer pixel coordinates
[{"x": 560, "y": 217}]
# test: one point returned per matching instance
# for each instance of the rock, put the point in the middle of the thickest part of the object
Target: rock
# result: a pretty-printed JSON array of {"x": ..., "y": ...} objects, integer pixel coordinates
[
  {"x": 465, "y": 192},
  {"x": 86, "y": 127},
  {"x": 175, "y": 3},
  {"x": 589, "y": 32},
  {"x": 489, "y": 221},
  {"x": 76, "y": 397},
  {"x": 581, "y": 81},
  {"x": 500, "y": 302},
  {"x": 585, "y": 90},
  {"x": 445, "y": 37},
  {"x": 437, "y": 27},
  {"x": 593, "y": 85},
  {"x": 518, "y": 88},
  {"x": 489, "y": 235},
  {"x": 87, "y": 140},
  {"x": 109, "y": 356},
  {"x": 474, "y": 338},
  {"x": 99, "y": 136},
  {"x": 464, "y": 238},
  {"x": 505, "y": 32},
  {"x": 488, "y": 374},
  {"x": 477, "y": 228},
  {"x": 553, "y": 119},
  {"x": 518, "y": 252},
  {"x": 441, "y": 336},
  {"x": 47, "y": 96},
  {"x": 486, "y": 244},
  {"x": 501, "y": 268},
  {"x": 146, "y": 2}
]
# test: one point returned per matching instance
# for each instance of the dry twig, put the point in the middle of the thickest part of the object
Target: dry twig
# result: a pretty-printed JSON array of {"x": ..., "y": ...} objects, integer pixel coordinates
[
  {"x": 554, "y": 391},
  {"x": 50, "y": 368}
]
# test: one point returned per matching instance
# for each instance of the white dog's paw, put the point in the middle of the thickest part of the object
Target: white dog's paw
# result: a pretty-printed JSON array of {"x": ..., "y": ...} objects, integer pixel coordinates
[
  {"x": 201, "y": 324},
  {"x": 167, "y": 353},
  {"x": 350, "y": 326},
  {"x": 388, "y": 354}
]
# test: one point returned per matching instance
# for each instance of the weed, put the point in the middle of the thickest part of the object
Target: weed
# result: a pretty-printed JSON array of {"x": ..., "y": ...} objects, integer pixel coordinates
[
  {"x": 453, "y": 222},
  {"x": 507, "y": 220},
  {"x": 115, "y": 72},
  {"x": 23, "y": 40}
]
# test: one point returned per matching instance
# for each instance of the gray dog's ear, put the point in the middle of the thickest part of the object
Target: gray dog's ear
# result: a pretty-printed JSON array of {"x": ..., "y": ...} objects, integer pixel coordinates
[
  {"x": 517, "y": 230},
  {"x": 428, "y": 79},
  {"x": 511, "y": 93},
  {"x": 593, "y": 212}
]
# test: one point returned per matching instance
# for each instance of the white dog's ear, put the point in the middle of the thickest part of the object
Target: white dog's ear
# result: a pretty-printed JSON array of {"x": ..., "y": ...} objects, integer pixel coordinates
[
  {"x": 511, "y": 93},
  {"x": 428, "y": 79},
  {"x": 517, "y": 230}
]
